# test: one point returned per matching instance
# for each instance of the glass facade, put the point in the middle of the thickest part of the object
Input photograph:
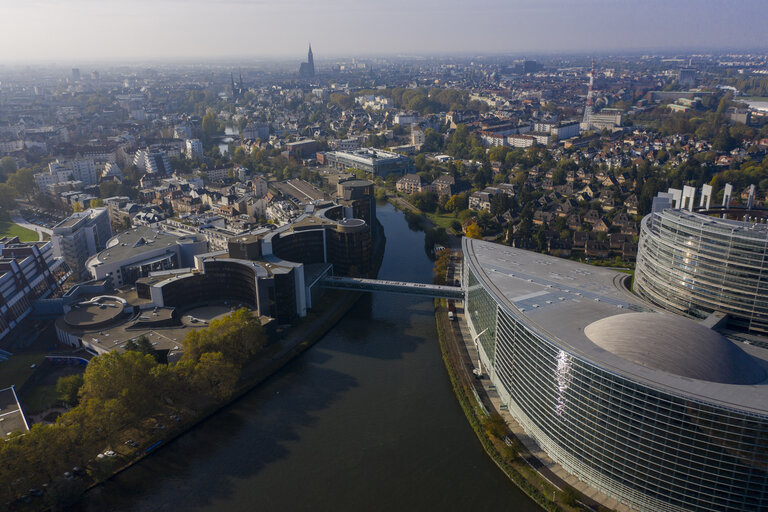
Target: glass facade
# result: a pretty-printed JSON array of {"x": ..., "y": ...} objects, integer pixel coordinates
[
  {"x": 482, "y": 309},
  {"x": 649, "y": 448},
  {"x": 693, "y": 264}
]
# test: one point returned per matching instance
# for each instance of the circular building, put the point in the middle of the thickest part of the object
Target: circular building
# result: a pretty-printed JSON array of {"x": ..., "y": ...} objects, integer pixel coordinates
[
  {"x": 694, "y": 265},
  {"x": 652, "y": 409}
]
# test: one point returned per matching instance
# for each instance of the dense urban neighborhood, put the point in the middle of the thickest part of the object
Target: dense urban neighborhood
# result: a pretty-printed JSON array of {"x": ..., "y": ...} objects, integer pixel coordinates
[{"x": 166, "y": 229}]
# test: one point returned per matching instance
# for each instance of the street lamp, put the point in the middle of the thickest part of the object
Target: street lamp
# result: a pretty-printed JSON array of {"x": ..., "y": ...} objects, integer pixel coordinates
[{"x": 479, "y": 370}]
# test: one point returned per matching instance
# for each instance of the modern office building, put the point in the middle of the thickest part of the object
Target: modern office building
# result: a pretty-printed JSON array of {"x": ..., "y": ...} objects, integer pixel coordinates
[
  {"x": 79, "y": 236},
  {"x": 139, "y": 251},
  {"x": 28, "y": 271},
  {"x": 695, "y": 264},
  {"x": 653, "y": 409},
  {"x": 375, "y": 161}
]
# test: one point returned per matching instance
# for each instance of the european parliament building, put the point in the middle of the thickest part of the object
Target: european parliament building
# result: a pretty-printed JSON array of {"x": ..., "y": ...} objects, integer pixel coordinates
[
  {"x": 654, "y": 409},
  {"x": 695, "y": 264}
]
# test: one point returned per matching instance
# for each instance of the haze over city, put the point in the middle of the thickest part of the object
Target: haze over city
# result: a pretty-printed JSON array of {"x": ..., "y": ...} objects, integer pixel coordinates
[
  {"x": 59, "y": 31},
  {"x": 412, "y": 255}
]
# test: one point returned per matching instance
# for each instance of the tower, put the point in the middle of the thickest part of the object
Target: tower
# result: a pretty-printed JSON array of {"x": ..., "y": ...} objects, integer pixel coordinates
[
  {"x": 307, "y": 69},
  {"x": 586, "y": 123}
]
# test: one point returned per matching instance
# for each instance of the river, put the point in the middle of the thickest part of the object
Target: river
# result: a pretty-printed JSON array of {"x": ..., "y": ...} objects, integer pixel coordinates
[{"x": 364, "y": 420}]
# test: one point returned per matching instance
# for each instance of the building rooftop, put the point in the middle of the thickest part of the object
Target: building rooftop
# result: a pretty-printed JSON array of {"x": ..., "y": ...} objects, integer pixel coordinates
[
  {"x": 11, "y": 415},
  {"x": 676, "y": 345},
  {"x": 584, "y": 310},
  {"x": 135, "y": 241}
]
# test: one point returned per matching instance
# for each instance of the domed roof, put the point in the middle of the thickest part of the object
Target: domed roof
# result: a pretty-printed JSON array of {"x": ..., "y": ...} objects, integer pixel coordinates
[{"x": 675, "y": 345}]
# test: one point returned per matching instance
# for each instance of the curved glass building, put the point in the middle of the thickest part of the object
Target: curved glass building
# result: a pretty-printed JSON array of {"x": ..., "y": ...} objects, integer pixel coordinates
[
  {"x": 693, "y": 264},
  {"x": 653, "y": 409}
]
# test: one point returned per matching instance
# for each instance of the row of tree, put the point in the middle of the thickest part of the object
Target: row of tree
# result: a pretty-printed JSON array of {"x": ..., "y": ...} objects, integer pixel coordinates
[{"x": 126, "y": 390}]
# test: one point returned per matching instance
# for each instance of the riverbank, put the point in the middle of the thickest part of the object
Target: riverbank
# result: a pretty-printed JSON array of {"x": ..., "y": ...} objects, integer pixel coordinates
[
  {"x": 301, "y": 337},
  {"x": 346, "y": 419},
  {"x": 494, "y": 427},
  {"x": 506, "y": 452}
]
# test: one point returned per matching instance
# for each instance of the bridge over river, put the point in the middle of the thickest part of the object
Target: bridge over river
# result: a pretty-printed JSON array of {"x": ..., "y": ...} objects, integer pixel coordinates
[{"x": 379, "y": 285}]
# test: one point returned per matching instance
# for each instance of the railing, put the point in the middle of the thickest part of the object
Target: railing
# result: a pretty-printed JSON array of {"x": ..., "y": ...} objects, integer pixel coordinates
[{"x": 376, "y": 285}]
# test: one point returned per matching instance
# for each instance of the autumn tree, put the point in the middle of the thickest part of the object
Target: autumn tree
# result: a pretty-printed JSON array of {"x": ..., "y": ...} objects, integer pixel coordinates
[{"x": 473, "y": 231}]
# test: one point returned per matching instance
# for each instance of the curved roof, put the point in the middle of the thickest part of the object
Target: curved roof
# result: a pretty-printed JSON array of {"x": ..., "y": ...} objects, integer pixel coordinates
[{"x": 675, "y": 345}]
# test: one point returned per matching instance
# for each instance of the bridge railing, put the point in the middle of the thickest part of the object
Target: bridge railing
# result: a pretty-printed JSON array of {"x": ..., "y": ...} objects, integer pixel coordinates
[{"x": 379, "y": 285}]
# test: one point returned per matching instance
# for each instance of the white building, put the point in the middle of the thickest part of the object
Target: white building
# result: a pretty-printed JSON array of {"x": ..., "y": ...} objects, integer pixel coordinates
[
  {"x": 157, "y": 162},
  {"x": 72, "y": 170},
  {"x": 81, "y": 235},
  {"x": 194, "y": 148},
  {"x": 404, "y": 119},
  {"x": 417, "y": 136},
  {"x": 112, "y": 170}
]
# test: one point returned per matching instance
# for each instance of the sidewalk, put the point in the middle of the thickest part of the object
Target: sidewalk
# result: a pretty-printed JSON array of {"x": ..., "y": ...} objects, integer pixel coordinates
[{"x": 16, "y": 218}]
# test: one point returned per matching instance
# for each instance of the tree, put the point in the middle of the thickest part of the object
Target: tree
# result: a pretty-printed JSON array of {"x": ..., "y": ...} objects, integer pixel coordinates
[
  {"x": 215, "y": 376},
  {"x": 473, "y": 231},
  {"x": 142, "y": 345},
  {"x": 68, "y": 388},
  {"x": 7, "y": 167},
  {"x": 237, "y": 336},
  {"x": 125, "y": 377},
  {"x": 495, "y": 425},
  {"x": 23, "y": 181},
  {"x": 7, "y": 198},
  {"x": 211, "y": 126}
]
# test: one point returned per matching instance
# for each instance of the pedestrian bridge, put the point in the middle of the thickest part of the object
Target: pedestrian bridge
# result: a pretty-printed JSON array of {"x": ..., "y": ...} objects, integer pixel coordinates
[{"x": 376, "y": 285}]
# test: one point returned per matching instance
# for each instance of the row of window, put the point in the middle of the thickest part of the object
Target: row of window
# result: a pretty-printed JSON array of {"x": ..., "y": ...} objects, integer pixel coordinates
[{"x": 647, "y": 448}]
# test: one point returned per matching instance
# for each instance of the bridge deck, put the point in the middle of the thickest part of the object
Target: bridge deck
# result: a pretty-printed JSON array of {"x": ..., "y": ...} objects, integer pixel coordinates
[{"x": 377, "y": 285}]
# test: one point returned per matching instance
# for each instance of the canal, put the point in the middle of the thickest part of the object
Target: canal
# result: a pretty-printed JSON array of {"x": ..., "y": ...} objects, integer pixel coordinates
[{"x": 364, "y": 420}]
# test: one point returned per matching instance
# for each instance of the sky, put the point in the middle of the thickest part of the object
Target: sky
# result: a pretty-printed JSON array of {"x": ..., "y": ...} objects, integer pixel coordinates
[{"x": 71, "y": 31}]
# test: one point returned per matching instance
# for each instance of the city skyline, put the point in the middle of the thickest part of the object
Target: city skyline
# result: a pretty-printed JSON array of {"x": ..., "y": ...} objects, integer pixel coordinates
[{"x": 51, "y": 31}]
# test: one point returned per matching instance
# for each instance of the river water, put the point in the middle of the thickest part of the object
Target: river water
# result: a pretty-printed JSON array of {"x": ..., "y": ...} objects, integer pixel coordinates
[{"x": 364, "y": 420}]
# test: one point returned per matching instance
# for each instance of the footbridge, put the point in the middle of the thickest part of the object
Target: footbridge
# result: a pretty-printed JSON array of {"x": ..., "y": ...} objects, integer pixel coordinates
[{"x": 377, "y": 285}]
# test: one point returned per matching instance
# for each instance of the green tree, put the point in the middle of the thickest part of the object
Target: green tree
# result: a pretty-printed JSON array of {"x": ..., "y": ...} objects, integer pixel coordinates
[
  {"x": 211, "y": 126},
  {"x": 495, "y": 425},
  {"x": 142, "y": 345},
  {"x": 68, "y": 388},
  {"x": 125, "y": 377},
  {"x": 216, "y": 376},
  {"x": 23, "y": 181},
  {"x": 237, "y": 336},
  {"x": 7, "y": 199},
  {"x": 7, "y": 167}
]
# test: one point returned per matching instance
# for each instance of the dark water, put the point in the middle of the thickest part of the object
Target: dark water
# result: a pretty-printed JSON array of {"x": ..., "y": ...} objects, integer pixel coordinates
[{"x": 365, "y": 420}]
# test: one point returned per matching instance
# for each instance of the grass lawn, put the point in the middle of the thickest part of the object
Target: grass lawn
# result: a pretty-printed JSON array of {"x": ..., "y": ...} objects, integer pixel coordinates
[
  {"x": 17, "y": 368},
  {"x": 442, "y": 220},
  {"x": 8, "y": 228}
]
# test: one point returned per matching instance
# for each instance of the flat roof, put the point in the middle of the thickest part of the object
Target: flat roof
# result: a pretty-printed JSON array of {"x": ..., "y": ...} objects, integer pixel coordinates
[
  {"x": 136, "y": 241},
  {"x": 86, "y": 314},
  {"x": 11, "y": 415},
  {"x": 559, "y": 298}
]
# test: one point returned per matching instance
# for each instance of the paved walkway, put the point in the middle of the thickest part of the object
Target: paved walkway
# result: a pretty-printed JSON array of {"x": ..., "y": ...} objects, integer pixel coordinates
[
  {"x": 16, "y": 218},
  {"x": 535, "y": 456}
]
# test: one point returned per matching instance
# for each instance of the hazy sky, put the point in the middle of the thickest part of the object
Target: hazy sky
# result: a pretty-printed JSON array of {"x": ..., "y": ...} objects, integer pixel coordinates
[{"x": 69, "y": 31}]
